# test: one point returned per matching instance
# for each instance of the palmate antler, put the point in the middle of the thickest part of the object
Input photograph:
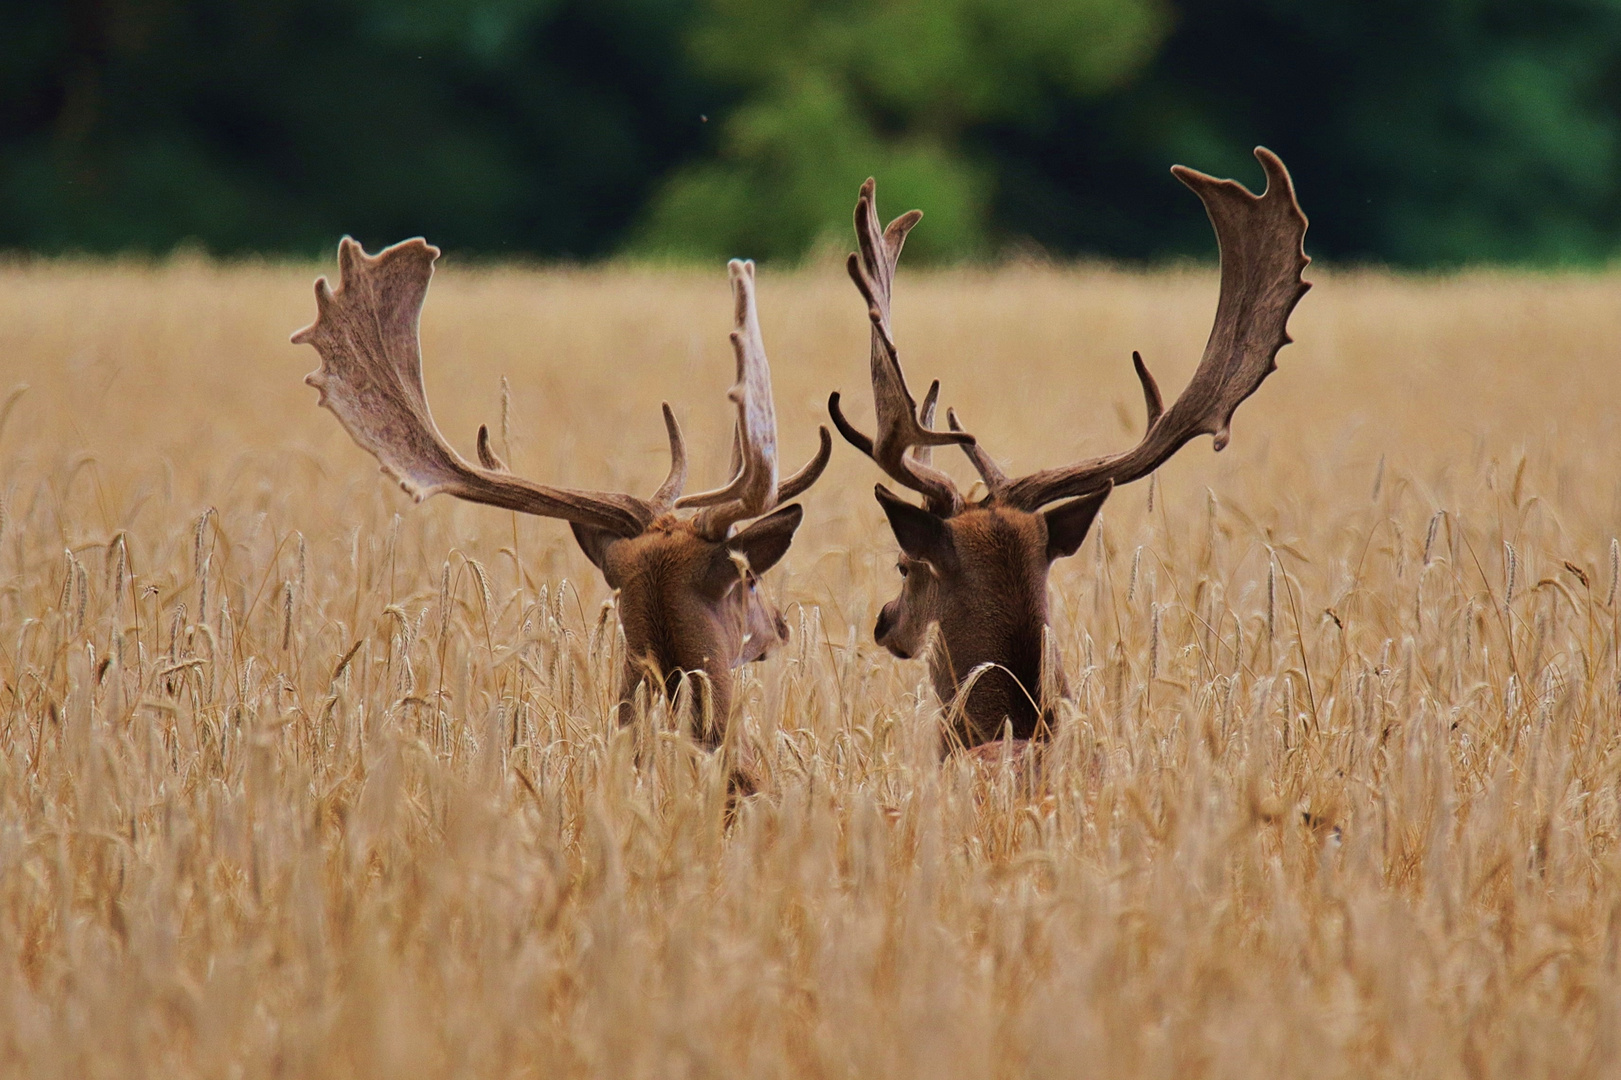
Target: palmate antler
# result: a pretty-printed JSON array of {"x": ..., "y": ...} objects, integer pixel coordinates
[
  {"x": 371, "y": 379},
  {"x": 366, "y": 332},
  {"x": 900, "y": 431},
  {"x": 1260, "y": 239}
]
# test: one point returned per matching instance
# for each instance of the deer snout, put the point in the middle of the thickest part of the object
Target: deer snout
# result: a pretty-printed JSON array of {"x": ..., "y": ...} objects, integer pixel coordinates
[{"x": 882, "y": 631}]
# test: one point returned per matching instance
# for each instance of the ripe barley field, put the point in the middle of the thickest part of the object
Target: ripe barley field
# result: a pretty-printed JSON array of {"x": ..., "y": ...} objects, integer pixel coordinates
[{"x": 298, "y": 778}]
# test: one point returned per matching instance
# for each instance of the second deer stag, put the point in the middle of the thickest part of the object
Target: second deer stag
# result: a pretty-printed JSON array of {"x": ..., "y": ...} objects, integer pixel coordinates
[
  {"x": 688, "y": 599},
  {"x": 978, "y": 570}
]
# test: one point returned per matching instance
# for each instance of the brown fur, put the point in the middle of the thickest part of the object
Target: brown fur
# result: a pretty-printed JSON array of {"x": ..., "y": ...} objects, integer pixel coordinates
[
  {"x": 988, "y": 597},
  {"x": 692, "y": 605},
  {"x": 687, "y": 593},
  {"x": 979, "y": 571}
]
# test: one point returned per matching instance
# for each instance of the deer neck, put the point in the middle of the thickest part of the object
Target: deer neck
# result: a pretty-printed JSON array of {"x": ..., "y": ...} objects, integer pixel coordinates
[
  {"x": 667, "y": 641},
  {"x": 1010, "y": 635}
]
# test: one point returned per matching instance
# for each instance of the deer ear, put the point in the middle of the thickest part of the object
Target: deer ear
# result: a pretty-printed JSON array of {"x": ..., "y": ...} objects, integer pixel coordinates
[
  {"x": 920, "y": 533},
  {"x": 766, "y": 541},
  {"x": 1068, "y": 523},
  {"x": 762, "y": 544},
  {"x": 595, "y": 542}
]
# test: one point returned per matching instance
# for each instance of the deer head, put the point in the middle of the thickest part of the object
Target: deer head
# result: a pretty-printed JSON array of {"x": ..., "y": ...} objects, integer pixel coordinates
[
  {"x": 687, "y": 583},
  {"x": 978, "y": 570}
]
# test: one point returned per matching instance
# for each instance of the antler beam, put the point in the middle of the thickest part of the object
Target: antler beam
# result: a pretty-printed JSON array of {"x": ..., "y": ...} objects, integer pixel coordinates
[
  {"x": 872, "y": 268},
  {"x": 1262, "y": 257},
  {"x": 754, "y": 488},
  {"x": 371, "y": 378}
]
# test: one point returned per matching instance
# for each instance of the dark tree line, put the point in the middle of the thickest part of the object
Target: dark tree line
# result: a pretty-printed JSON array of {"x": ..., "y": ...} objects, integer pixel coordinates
[{"x": 1420, "y": 134}]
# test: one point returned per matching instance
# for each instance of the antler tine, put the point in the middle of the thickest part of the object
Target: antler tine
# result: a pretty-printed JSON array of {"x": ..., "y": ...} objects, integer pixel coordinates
[
  {"x": 753, "y": 490},
  {"x": 487, "y": 456},
  {"x": 371, "y": 379},
  {"x": 1260, "y": 238},
  {"x": 924, "y": 455},
  {"x": 989, "y": 471},
  {"x": 797, "y": 484},
  {"x": 872, "y": 268},
  {"x": 664, "y": 498},
  {"x": 1152, "y": 400}
]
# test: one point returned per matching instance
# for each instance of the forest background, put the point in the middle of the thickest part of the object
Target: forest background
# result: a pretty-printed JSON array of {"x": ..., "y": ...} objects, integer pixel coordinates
[{"x": 1429, "y": 135}]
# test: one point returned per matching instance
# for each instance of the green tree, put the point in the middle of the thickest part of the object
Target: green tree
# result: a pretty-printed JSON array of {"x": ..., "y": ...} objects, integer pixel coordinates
[
  {"x": 830, "y": 93},
  {"x": 522, "y": 126},
  {"x": 1419, "y": 134}
]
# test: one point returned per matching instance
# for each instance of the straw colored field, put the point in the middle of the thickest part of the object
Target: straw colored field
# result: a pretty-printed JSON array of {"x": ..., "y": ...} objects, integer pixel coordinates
[{"x": 298, "y": 778}]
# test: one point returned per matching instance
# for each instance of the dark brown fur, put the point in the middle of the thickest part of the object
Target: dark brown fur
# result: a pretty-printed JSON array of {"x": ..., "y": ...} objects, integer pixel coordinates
[
  {"x": 687, "y": 586},
  {"x": 692, "y": 605},
  {"x": 981, "y": 577},
  {"x": 978, "y": 570}
]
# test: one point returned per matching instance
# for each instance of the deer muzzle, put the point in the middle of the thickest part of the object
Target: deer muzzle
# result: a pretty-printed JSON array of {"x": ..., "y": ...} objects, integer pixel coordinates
[{"x": 883, "y": 631}]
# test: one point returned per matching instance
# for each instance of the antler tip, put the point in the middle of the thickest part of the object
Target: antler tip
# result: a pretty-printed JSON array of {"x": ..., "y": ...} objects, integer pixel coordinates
[
  {"x": 1278, "y": 179},
  {"x": 350, "y": 257},
  {"x": 487, "y": 456},
  {"x": 858, "y": 274},
  {"x": 1151, "y": 395},
  {"x": 353, "y": 260},
  {"x": 323, "y": 297},
  {"x": 1202, "y": 183}
]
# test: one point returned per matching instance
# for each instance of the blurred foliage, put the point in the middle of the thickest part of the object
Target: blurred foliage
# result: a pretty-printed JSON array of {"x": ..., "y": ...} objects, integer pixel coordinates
[
  {"x": 1429, "y": 134},
  {"x": 834, "y": 92},
  {"x": 496, "y": 125},
  {"x": 1419, "y": 134}
]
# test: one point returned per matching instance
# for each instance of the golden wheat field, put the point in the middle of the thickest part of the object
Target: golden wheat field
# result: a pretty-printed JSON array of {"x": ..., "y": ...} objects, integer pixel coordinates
[{"x": 299, "y": 778}]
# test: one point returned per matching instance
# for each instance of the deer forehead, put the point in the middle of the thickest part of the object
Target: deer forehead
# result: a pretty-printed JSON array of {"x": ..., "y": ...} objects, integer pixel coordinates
[
  {"x": 669, "y": 551},
  {"x": 999, "y": 536}
]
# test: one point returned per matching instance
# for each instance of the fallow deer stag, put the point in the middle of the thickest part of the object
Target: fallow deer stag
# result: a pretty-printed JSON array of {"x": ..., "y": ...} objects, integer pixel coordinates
[
  {"x": 687, "y": 594},
  {"x": 979, "y": 569}
]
